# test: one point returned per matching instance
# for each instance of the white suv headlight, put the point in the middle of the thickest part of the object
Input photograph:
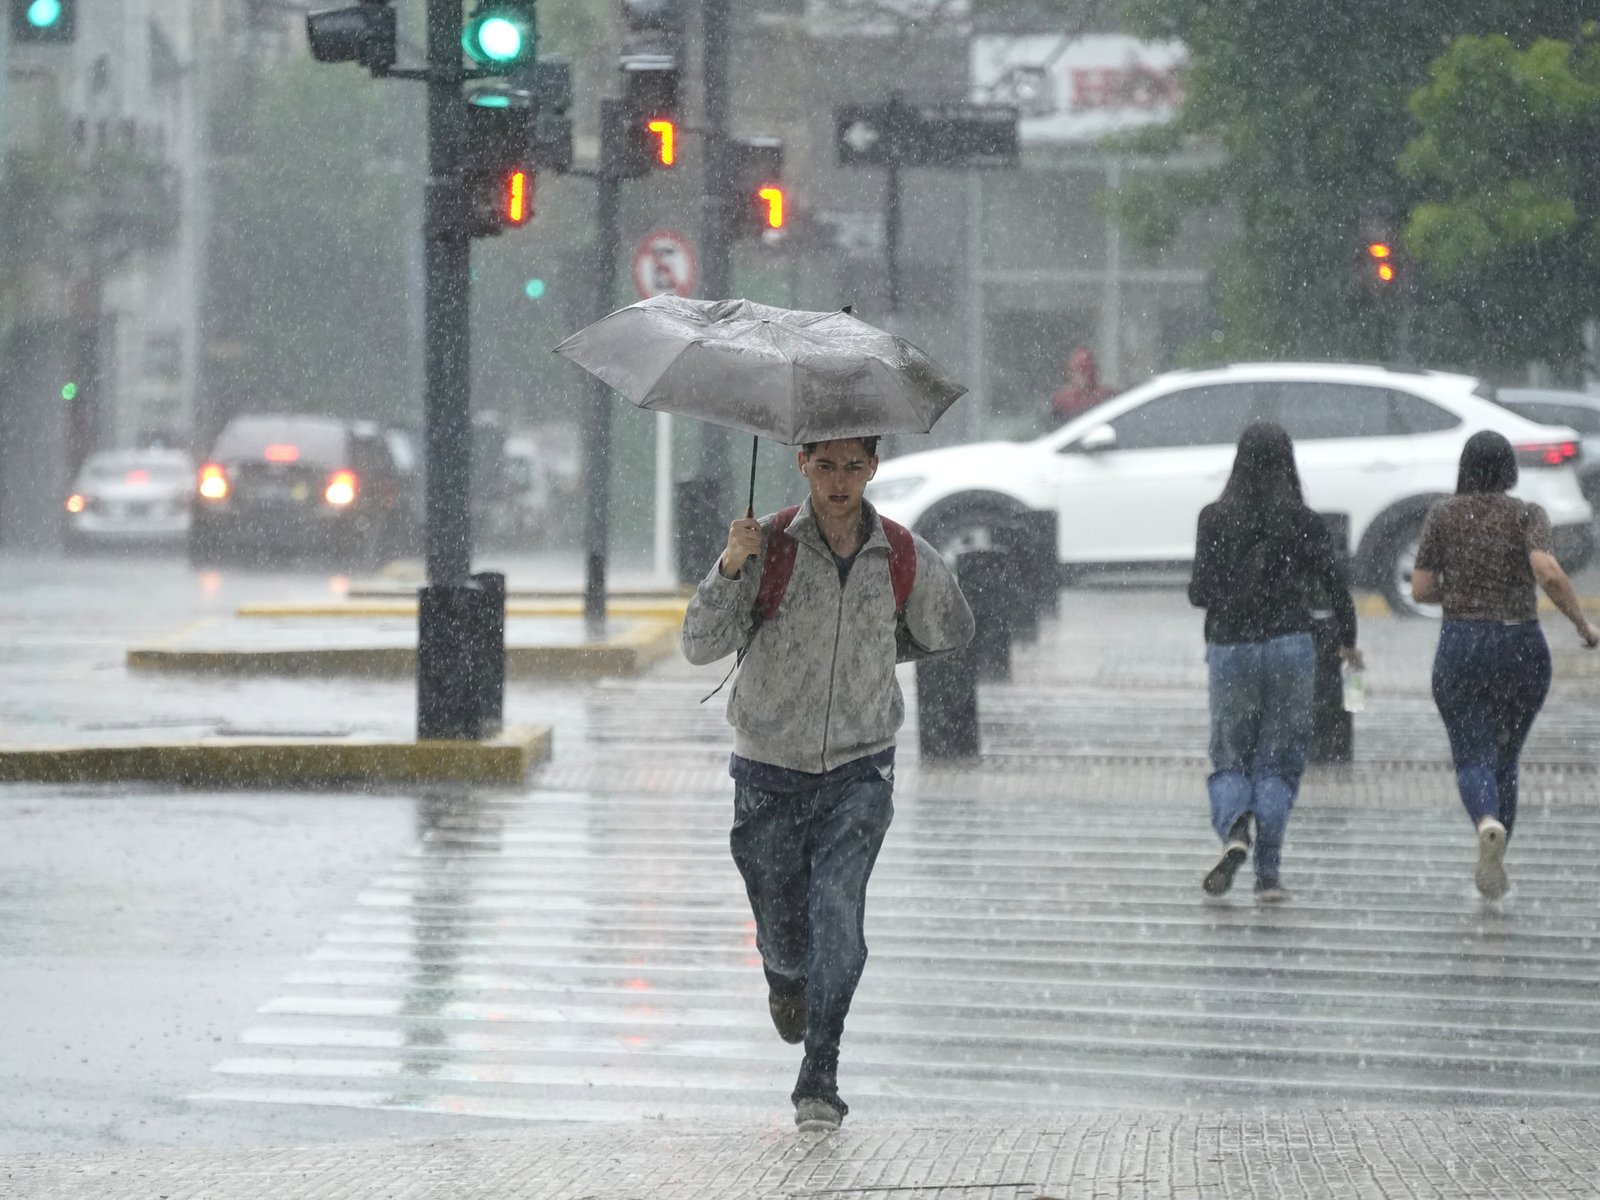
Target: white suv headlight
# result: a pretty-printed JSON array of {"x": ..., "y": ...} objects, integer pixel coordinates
[{"x": 890, "y": 490}]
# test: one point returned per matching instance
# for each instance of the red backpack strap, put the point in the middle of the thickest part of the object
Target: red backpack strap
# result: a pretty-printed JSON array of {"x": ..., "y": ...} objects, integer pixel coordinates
[
  {"x": 902, "y": 562},
  {"x": 776, "y": 566}
]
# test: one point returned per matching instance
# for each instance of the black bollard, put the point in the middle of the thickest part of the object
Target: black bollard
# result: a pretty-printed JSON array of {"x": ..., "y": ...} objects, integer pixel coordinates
[
  {"x": 1015, "y": 538},
  {"x": 1044, "y": 567},
  {"x": 947, "y": 706},
  {"x": 700, "y": 511},
  {"x": 1332, "y": 729},
  {"x": 988, "y": 579},
  {"x": 461, "y": 658}
]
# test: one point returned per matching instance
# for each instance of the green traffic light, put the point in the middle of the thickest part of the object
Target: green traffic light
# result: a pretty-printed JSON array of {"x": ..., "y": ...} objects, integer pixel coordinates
[
  {"x": 500, "y": 39},
  {"x": 69, "y": 391},
  {"x": 534, "y": 289},
  {"x": 43, "y": 14},
  {"x": 500, "y": 35}
]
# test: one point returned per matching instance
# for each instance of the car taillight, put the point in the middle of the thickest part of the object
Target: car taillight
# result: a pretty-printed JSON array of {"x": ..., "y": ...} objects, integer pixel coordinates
[
  {"x": 137, "y": 475},
  {"x": 341, "y": 489},
  {"x": 280, "y": 452},
  {"x": 1547, "y": 454},
  {"x": 213, "y": 482},
  {"x": 76, "y": 503}
]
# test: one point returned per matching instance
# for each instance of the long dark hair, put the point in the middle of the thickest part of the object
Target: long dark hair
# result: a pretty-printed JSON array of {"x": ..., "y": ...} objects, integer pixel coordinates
[
  {"x": 1488, "y": 464},
  {"x": 1264, "y": 475}
]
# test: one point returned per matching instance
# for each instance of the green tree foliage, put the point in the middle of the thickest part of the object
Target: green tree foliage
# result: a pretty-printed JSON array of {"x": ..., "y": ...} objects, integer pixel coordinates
[
  {"x": 1308, "y": 102},
  {"x": 1508, "y": 161}
]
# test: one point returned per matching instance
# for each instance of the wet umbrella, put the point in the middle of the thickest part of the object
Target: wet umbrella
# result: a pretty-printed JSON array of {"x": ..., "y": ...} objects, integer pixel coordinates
[{"x": 777, "y": 373}]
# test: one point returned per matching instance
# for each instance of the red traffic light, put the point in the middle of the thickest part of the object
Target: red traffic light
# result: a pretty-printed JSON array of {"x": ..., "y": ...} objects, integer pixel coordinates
[
  {"x": 769, "y": 205},
  {"x": 517, "y": 197},
  {"x": 1381, "y": 255},
  {"x": 666, "y": 134}
]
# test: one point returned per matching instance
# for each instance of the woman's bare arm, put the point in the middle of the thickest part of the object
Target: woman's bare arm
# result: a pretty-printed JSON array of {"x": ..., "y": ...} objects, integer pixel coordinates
[
  {"x": 1425, "y": 586},
  {"x": 1559, "y": 588}
]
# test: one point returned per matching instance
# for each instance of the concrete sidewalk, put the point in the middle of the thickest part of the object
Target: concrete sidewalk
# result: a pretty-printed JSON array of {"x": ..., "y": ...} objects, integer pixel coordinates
[{"x": 1316, "y": 1153}]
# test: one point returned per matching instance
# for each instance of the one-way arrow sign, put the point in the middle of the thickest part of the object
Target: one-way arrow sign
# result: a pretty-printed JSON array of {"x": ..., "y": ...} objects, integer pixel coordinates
[{"x": 900, "y": 134}]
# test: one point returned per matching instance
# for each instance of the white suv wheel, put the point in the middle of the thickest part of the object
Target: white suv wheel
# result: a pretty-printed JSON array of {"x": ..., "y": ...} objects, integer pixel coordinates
[{"x": 1405, "y": 562}]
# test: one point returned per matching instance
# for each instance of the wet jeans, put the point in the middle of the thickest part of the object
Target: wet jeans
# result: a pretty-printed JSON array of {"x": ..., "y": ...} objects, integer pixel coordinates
[
  {"x": 806, "y": 857},
  {"x": 1489, "y": 681},
  {"x": 1260, "y": 734}
]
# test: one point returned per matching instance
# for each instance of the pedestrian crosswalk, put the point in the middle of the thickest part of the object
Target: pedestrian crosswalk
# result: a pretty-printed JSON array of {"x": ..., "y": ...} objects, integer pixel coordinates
[{"x": 587, "y": 954}]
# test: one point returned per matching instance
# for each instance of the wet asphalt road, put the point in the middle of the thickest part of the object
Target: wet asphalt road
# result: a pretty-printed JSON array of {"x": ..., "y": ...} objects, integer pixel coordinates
[{"x": 274, "y": 969}]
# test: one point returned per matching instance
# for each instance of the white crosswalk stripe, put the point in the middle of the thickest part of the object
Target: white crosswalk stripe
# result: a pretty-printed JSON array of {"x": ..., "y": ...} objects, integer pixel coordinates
[{"x": 589, "y": 955}]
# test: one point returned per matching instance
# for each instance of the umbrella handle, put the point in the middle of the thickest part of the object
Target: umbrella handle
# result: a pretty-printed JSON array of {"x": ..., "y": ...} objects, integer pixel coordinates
[{"x": 750, "y": 505}]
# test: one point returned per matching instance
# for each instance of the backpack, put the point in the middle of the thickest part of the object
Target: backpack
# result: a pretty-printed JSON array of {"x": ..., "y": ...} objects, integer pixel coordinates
[{"x": 779, "y": 565}]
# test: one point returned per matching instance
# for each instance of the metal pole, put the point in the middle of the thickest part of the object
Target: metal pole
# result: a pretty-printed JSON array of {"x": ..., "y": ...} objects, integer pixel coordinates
[
  {"x": 446, "y": 282},
  {"x": 891, "y": 234},
  {"x": 597, "y": 415},
  {"x": 458, "y": 676},
  {"x": 716, "y": 241}
]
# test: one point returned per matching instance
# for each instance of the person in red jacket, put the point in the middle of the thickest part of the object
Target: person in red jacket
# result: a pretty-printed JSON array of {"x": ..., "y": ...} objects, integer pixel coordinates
[{"x": 1083, "y": 389}]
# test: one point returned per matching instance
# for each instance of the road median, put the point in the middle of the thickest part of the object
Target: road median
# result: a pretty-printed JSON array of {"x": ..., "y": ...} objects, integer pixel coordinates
[
  {"x": 283, "y": 763},
  {"x": 385, "y": 648}
]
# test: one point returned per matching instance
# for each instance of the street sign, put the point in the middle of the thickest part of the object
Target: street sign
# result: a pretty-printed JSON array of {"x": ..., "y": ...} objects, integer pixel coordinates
[
  {"x": 663, "y": 263},
  {"x": 958, "y": 135}
]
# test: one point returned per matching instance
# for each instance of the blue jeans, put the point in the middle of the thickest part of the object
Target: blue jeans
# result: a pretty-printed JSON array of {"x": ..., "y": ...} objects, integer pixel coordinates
[
  {"x": 1260, "y": 734},
  {"x": 806, "y": 857},
  {"x": 1489, "y": 681}
]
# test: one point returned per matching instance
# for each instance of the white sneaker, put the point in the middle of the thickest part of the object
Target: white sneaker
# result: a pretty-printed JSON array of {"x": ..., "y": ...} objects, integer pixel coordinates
[{"x": 1491, "y": 873}]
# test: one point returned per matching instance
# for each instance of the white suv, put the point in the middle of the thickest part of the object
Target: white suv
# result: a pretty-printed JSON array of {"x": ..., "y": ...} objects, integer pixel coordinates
[{"x": 1128, "y": 478}]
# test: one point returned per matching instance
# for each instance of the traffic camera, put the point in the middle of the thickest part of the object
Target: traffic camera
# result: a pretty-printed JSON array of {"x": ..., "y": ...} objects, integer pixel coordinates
[
  {"x": 43, "y": 22},
  {"x": 361, "y": 33}
]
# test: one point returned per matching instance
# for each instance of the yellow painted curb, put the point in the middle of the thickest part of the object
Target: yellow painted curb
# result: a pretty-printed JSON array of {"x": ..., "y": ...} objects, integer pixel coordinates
[
  {"x": 629, "y": 653},
  {"x": 659, "y": 610},
  {"x": 284, "y": 763}
]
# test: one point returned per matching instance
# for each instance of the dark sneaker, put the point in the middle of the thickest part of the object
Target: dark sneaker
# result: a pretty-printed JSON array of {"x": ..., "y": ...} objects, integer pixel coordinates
[
  {"x": 1491, "y": 873},
  {"x": 1270, "y": 891},
  {"x": 1220, "y": 878},
  {"x": 817, "y": 1114},
  {"x": 788, "y": 1009}
]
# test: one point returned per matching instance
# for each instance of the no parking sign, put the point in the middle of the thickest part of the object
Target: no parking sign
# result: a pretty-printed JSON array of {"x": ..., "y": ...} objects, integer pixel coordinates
[{"x": 664, "y": 263}]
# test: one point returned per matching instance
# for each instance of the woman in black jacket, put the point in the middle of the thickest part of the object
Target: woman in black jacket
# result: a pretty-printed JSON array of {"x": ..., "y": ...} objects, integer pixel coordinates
[{"x": 1260, "y": 557}]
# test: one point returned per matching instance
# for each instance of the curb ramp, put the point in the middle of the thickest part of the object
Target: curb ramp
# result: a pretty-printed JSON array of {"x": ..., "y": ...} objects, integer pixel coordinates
[{"x": 283, "y": 764}]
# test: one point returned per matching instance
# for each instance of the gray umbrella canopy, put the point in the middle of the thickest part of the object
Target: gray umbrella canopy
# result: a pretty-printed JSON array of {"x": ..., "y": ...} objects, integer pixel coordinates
[{"x": 778, "y": 373}]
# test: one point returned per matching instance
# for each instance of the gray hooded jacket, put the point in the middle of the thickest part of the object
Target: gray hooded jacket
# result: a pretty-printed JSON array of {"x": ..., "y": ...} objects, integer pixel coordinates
[{"x": 817, "y": 688}]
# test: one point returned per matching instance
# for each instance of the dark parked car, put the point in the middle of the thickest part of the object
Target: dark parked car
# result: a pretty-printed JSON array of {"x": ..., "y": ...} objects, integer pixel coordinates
[
  {"x": 300, "y": 483},
  {"x": 1578, "y": 411}
]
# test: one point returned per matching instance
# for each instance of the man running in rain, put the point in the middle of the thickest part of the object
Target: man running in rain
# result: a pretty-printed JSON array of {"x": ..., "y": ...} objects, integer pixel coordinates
[{"x": 822, "y": 601}]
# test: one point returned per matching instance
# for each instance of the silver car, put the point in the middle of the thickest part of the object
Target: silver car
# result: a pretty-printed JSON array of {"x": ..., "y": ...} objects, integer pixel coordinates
[
  {"x": 1579, "y": 411},
  {"x": 125, "y": 497}
]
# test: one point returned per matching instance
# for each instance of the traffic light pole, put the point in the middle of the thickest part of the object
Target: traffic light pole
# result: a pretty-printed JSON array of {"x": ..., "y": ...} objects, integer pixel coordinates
[
  {"x": 460, "y": 619},
  {"x": 597, "y": 412},
  {"x": 716, "y": 233},
  {"x": 446, "y": 306},
  {"x": 891, "y": 234}
]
